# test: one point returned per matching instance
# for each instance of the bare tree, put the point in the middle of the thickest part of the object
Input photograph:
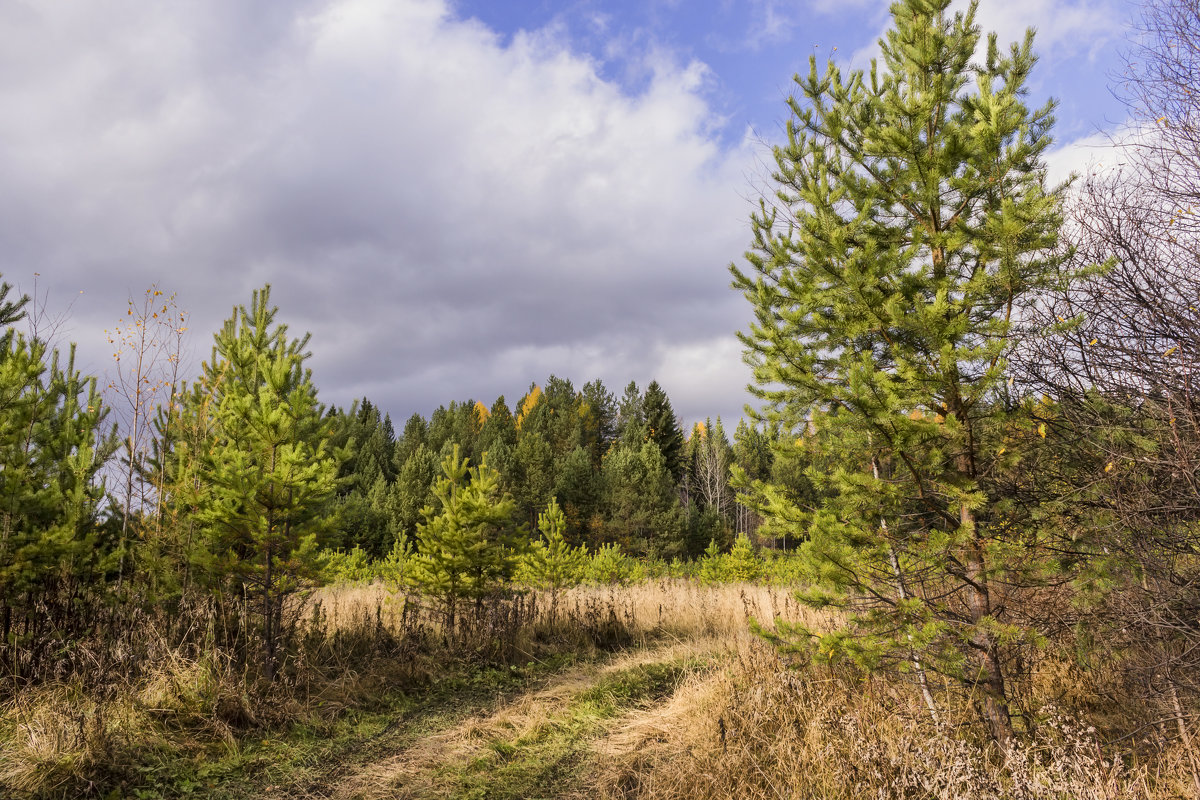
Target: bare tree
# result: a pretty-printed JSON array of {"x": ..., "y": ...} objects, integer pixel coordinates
[
  {"x": 147, "y": 349},
  {"x": 1119, "y": 351},
  {"x": 713, "y": 457}
]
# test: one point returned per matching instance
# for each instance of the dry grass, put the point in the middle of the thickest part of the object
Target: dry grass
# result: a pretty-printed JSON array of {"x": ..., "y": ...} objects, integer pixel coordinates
[
  {"x": 742, "y": 727},
  {"x": 354, "y": 643},
  {"x": 756, "y": 730},
  {"x": 427, "y": 769},
  {"x": 664, "y": 607},
  {"x": 69, "y": 741}
]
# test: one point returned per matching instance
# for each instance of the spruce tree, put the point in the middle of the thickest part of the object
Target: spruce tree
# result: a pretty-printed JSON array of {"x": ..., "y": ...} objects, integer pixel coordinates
[
  {"x": 561, "y": 416},
  {"x": 412, "y": 492},
  {"x": 641, "y": 502},
  {"x": 415, "y": 434},
  {"x": 631, "y": 420},
  {"x": 663, "y": 428},
  {"x": 368, "y": 438},
  {"x": 600, "y": 420},
  {"x": 910, "y": 224}
]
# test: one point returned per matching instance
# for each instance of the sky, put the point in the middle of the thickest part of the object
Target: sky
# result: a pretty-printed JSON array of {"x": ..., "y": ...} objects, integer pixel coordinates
[{"x": 456, "y": 198}]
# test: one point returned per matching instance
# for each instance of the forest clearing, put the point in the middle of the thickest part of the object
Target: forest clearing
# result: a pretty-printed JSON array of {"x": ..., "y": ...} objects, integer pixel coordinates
[
  {"x": 951, "y": 549},
  {"x": 656, "y": 689}
]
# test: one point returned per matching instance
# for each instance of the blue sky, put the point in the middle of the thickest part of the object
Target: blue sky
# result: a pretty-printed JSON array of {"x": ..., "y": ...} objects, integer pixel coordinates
[
  {"x": 752, "y": 48},
  {"x": 456, "y": 197}
]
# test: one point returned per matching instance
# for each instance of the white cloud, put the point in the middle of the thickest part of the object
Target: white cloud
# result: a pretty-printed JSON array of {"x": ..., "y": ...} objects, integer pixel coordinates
[
  {"x": 440, "y": 207},
  {"x": 1064, "y": 28},
  {"x": 1081, "y": 156},
  {"x": 710, "y": 369},
  {"x": 775, "y": 21}
]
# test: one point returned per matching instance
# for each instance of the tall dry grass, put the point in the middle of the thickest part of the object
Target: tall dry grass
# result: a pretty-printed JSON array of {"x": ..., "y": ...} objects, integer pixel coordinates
[
  {"x": 350, "y": 645},
  {"x": 653, "y": 608},
  {"x": 747, "y": 728},
  {"x": 757, "y": 730}
]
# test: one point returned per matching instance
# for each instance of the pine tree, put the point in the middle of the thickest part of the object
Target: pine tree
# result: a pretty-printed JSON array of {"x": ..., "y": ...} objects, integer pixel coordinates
[
  {"x": 469, "y": 541},
  {"x": 11, "y": 311},
  {"x": 752, "y": 450},
  {"x": 742, "y": 564},
  {"x": 532, "y": 470},
  {"x": 910, "y": 224},
  {"x": 552, "y": 563},
  {"x": 415, "y": 434},
  {"x": 752, "y": 455},
  {"x": 559, "y": 416},
  {"x": 368, "y": 438},
  {"x": 412, "y": 492},
  {"x": 631, "y": 419},
  {"x": 499, "y": 428},
  {"x": 269, "y": 471},
  {"x": 576, "y": 487},
  {"x": 641, "y": 503},
  {"x": 184, "y": 430},
  {"x": 53, "y": 555}
]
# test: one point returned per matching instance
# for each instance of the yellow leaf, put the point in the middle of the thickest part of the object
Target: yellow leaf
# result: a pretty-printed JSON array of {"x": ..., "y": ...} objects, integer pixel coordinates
[
  {"x": 1109, "y": 468},
  {"x": 1171, "y": 350},
  {"x": 1042, "y": 429},
  {"x": 1001, "y": 452},
  {"x": 1092, "y": 342}
]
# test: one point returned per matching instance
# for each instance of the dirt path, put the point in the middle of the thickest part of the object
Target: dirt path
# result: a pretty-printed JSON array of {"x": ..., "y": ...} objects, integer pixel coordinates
[{"x": 534, "y": 745}]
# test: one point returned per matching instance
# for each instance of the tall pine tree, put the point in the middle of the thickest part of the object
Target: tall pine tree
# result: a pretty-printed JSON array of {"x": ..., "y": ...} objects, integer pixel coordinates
[
  {"x": 269, "y": 471},
  {"x": 469, "y": 543},
  {"x": 910, "y": 223},
  {"x": 52, "y": 554}
]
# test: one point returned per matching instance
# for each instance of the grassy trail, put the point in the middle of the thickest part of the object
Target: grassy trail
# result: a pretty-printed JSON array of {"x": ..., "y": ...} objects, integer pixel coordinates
[
  {"x": 581, "y": 691},
  {"x": 536, "y": 745}
]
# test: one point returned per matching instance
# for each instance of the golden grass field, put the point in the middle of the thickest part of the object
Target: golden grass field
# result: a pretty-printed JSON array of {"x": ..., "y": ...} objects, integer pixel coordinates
[{"x": 660, "y": 690}]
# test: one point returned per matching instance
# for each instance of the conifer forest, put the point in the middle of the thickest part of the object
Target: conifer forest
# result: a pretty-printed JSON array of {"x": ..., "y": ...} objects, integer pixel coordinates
[{"x": 952, "y": 549}]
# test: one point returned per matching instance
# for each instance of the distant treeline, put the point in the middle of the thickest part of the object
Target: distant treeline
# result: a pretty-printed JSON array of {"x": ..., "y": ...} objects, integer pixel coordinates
[
  {"x": 204, "y": 503},
  {"x": 622, "y": 470}
]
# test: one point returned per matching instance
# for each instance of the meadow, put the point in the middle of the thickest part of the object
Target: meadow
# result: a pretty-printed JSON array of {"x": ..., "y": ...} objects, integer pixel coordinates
[{"x": 659, "y": 689}]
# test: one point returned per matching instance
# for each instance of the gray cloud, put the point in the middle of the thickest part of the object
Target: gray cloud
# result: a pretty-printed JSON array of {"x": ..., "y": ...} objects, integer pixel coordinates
[{"x": 450, "y": 214}]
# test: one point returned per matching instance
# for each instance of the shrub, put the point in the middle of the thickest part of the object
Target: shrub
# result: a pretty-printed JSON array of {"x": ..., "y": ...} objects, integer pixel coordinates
[{"x": 610, "y": 565}]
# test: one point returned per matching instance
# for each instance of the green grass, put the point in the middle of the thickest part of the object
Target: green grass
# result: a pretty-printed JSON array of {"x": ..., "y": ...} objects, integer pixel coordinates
[
  {"x": 304, "y": 756},
  {"x": 546, "y": 762}
]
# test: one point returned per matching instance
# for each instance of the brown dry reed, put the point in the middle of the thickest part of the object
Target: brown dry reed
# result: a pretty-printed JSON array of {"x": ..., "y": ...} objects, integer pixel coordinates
[
  {"x": 749, "y": 727},
  {"x": 349, "y": 646},
  {"x": 755, "y": 729}
]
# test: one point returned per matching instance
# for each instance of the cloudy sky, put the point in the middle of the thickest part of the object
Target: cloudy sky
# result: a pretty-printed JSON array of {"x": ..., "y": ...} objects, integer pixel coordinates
[{"x": 456, "y": 197}]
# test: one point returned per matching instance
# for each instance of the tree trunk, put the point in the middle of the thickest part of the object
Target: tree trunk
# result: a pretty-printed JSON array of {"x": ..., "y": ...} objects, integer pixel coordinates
[
  {"x": 268, "y": 628},
  {"x": 1184, "y": 735},
  {"x": 991, "y": 700}
]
